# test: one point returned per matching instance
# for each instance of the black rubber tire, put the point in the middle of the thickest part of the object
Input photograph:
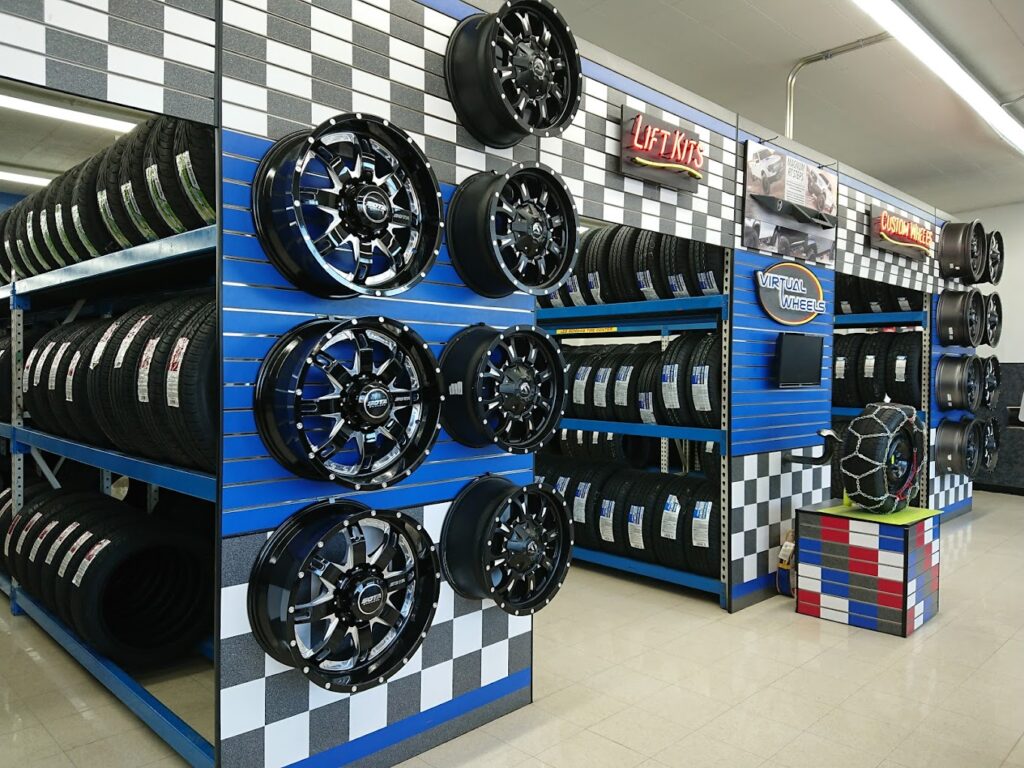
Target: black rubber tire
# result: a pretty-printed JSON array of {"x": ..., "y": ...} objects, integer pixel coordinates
[
  {"x": 906, "y": 299},
  {"x": 572, "y": 293},
  {"x": 581, "y": 385},
  {"x": 704, "y": 382},
  {"x": 49, "y": 236},
  {"x": 636, "y": 524},
  {"x": 649, "y": 272},
  {"x": 135, "y": 189},
  {"x": 709, "y": 458},
  {"x": 708, "y": 262},
  {"x": 612, "y": 508},
  {"x": 672, "y": 394},
  {"x": 62, "y": 539},
  {"x": 866, "y": 464},
  {"x": 83, "y": 424},
  {"x": 627, "y": 385},
  {"x": 32, "y": 530},
  {"x": 33, "y": 380},
  {"x": 63, "y": 509},
  {"x": 848, "y": 295},
  {"x": 191, "y": 396},
  {"x": 596, "y": 280},
  {"x": 34, "y": 232},
  {"x": 108, "y": 195},
  {"x": 10, "y": 236},
  {"x": 63, "y": 217},
  {"x": 12, "y": 528},
  {"x": 161, "y": 174},
  {"x": 601, "y": 399},
  {"x": 56, "y": 400},
  {"x": 590, "y": 481},
  {"x": 673, "y": 499},
  {"x": 621, "y": 266},
  {"x": 676, "y": 262},
  {"x": 649, "y": 407},
  {"x": 903, "y": 369},
  {"x": 872, "y": 373},
  {"x": 195, "y": 157},
  {"x": 30, "y": 263},
  {"x": 702, "y": 531},
  {"x": 88, "y": 222},
  {"x": 845, "y": 355},
  {"x": 5, "y": 260}
]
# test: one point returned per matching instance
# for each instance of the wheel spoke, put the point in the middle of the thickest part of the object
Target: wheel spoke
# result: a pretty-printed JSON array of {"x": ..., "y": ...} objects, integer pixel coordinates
[
  {"x": 337, "y": 373},
  {"x": 331, "y": 644},
  {"x": 317, "y": 610},
  {"x": 331, "y": 574},
  {"x": 364, "y": 261},
  {"x": 368, "y": 170},
  {"x": 328, "y": 405},
  {"x": 363, "y": 641},
  {"x": 356, "y": 546},
  {"x": 393, "y": 183},
  {"x": 385, "y": 553},
  {"x": 364, "y": 354},
  {"x": 400, "y": 580},
  {"x": 390, "y": 615}
]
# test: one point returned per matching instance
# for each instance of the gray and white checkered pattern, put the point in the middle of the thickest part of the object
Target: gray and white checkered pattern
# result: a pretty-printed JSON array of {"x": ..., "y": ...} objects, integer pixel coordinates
[
  {"x": 855, "y": 256},
  {"x": 765, "y": 492},
  {"x": 946, "y": 490},
  {"x": 150, "y": 55},
  {"x": 271, "y": 715}
]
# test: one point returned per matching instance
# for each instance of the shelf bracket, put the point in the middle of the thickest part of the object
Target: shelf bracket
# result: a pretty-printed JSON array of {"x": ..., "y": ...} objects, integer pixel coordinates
[{"x": 44, "y": 467}]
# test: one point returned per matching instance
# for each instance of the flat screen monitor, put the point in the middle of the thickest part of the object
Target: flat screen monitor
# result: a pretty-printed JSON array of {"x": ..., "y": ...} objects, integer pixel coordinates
[{"x": 799, "y": 359}]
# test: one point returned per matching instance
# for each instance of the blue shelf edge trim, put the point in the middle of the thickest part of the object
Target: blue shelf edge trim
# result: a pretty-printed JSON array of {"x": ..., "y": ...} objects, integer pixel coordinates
[
  {"x": 699, "y": 434},
  {"x": 6, "y": 430},
  {"x": 664, "y": 308},
  {"x": 651, "y": 570},
  {"x": 187, "y": 481},
  {"x": 167, "y": 725},
  {"x": 159, "y": 251},
  {"x": 879, "y": 318},
  {"x": 853, "y": 413}
]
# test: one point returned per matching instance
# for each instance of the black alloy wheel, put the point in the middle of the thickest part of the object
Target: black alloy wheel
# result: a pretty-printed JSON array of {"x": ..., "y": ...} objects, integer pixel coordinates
[
  {"x": 514, "y": 231},
  {"x": 959, "y": 382},
  {"x": 996, "y": 259},
  {"x": 963, "y": 251},
  {"x": 993, "y": 379},
  {"x": 344, "y": 593},
  {"x": 959, "y": 446},
  {"x": 514, "y": 73},
  {"x": 351, "y": 208},
  {"x": 355, "y": 402},
  {"x": 960, "y": 317},
  {"x": 990, "y": 444},
  {"x": 508, "y": 543},
  {"x": 993, "y": 320},
  {"x": 503, "y": 387}
]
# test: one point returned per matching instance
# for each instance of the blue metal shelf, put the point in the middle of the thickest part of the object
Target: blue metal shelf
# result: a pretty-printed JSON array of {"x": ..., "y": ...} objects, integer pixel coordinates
[
  {"x": 6, "y": 430},
  {"x": 187, "y": 481},
  {"x": 699, "y": 434},
  {"x": 168, "y": 726},
  {"x": 874, "y": 319},
  {"x": 700, "y": 312},
  {"x": 158, "y": 252},
  {"x": 660, "y": 572}
]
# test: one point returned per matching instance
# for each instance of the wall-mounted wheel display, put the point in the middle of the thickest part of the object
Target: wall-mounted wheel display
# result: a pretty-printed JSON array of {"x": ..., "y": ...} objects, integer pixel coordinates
[
  {"x": 344, "y": 593},
  {"x": 996, "y": 259},
  {"x": 993, "y": 378},
  {"x": 503, "y": 387},
  {"x": 350, "y": 208},
  {"x": 882, "y": 455},
  {"x": 963, "y": 251},
  {"x": 990, "y": 445},
  {"x": 993, "y": 319},
  {"x": 960, "y": 318},
  {"x": 508, "y": 543},
  {"x": 959, "y": 446},
  {"x": 960, "y": 382},
  {"x": 356, "y": 402},
  {"x": 514, "y": 72},
  {"x": 513, "y": 231}
]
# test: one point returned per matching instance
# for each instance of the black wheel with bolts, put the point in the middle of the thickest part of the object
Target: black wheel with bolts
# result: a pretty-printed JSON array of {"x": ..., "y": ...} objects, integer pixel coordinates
[
  {"x": 344, "y": 593},
  {"x": 993, "y": 320},
  {"x": 963, "y": 251},
  {"x": 959, "y": 447},
  {"x": 960, "y": 318},
  {"x": 503, "y": 387},
  {"x": 509, "y": 543},
  {"x": 514, "y": 73},
  {"x": 996, "y": 259},
  {"x": 356, "y": 402},
  {"x": 959, "y": 382},
  {"x": 513, "y": 231},
  {"x": 351, "y": 208}
]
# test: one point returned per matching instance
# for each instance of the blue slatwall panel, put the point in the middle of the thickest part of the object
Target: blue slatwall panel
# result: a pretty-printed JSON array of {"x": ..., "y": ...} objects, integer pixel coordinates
[
  {"x": 764, "y": 417},
  {"x": 260, "y": 305}
]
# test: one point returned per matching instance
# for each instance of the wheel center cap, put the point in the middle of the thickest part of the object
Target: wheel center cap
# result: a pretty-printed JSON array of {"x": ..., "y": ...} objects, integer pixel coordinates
[
  {"x": 374, "y": 404},
  {"x": 368, "y": 599},
  {"x": 524, "y": 547},
  {"x": 373, "y": 207},
  {"x": 518, "y": 390},
  {"x": 539, "y": 67}
]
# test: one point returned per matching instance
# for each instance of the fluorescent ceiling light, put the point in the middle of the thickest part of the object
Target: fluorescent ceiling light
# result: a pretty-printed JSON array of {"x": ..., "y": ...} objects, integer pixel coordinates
[
  {"x": 905, "y": 28},
  {"x": 62, "y": 113},
  {"x": 22, "y": 178}
]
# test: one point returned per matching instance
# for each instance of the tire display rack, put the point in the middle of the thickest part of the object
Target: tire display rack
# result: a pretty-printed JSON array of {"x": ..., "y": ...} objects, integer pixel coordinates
[{"x": 53, "y": 291}]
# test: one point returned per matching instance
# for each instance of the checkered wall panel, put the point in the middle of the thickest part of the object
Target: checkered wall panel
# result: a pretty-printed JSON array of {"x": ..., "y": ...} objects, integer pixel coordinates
[
  {"x": 764, "y": 494},
  {"x": 271, "y": 715},
  {"x": 150, "y": 55},
  {"x": 855, "y": 256}
]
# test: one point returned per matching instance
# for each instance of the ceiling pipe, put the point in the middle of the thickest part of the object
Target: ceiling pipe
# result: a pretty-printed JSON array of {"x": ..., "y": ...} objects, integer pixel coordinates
[{"x": 825, "y": 55}]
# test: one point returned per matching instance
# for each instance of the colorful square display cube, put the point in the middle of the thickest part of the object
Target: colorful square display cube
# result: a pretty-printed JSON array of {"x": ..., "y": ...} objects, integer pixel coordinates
[{"x": 879, "y": 572}]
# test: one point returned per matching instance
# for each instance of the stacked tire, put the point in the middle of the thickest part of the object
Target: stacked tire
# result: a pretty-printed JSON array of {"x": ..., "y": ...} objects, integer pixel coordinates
[
  {"x": 143, "y": 383},
  {"x": 626, "y": 450},
  {"x": 680, "y": 386},
  {"x": 625, "y": 264},
  {"x": 858, "y": 295},
  {"x": 868, "y": 367},
  {"x": 157, "y": 180},
  {"x": 137, "y": 588},
  {"x": 670, "y": 520}
]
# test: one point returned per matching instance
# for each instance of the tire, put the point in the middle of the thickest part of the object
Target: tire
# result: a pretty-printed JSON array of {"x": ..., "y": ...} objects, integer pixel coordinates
[
  {"x": 108, "y": 195},
  {"x": 195, "y": 150},
  {"x": 883, "y": 439},
  {"x": 876, "y": 296},
  {"x": 903, "y": 369},
  {"x": 702, "y": 531},
  {"x": 602, "y": 397},
  {"x": 649, "y": 407},
  {"x": 621, "y": 266},
  {"x": 845, "y": 354},
  {"x": 636, "y": 523},
  {"x": 11, "y": 531},
  {"x": 708, "y": 262},
  {"x": 57, "y": 376},
  {"x": 161, "y": 175},
  {"x": 63, "y": 217},
  {"x": 575, "y": 292},
  {"x": 848, "y": 295},
  {"x": 673, "y": 392},
  {"x": 611, "y": 510},
  {"x": 83, "y": 424},
  {"x": 585, "y": 487},
  {"x": 6, "y": 267},
  {"x": 627, "y": 385},
  {"x": 677, "y": 264},
  {"x": 649, "y": 273},
  {"x": 596, "y": 279},
  {"x": 64, "y": 509},
  {"x": 58, "y": 542},
  {"x": 33, "y": 381},
  {"x": 11, "y": 250},
  {"x": 582, "y": 386},
  {"x": 86, "y": 217},
  {"x": 704, "y": 382},
  {"x": 672, "y": 500},
  {"x": 191, "y": 389},
  {"x": 872, "y": 372},
  {"x": 36, "y": 235},
  {"x": 135, "y": 196},
  {"x": 906, "y": 299},
  {"x": 31, "y": 265},
  {"x": 709, "y": 459},
  {"x": 26, "y": 550}
]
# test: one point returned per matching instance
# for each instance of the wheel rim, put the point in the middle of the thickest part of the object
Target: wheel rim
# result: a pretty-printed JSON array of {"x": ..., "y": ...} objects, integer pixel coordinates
[
  {"x": 344, "y": 593},
  {"x": 990, "y": 390},
  {"x": 351, "y": 208},
  {"x": 976, "y": 318},
  {"x": 900, "y": 461},
  {"x": 994, "y": 271},
  {"x": 990, "y": 448},
  {"x": 508, "y": 543},
  {"x": 993, "y": 319},
  {"x": 355, "y": 402},
  {"x": 513, "y": 390}
]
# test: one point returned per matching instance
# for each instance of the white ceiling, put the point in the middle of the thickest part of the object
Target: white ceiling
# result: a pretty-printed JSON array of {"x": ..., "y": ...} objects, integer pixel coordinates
[{"x": 878, "y": 109}]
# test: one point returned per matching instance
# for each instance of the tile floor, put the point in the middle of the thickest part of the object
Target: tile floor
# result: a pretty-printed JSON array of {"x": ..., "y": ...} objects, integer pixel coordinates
[{"x": 631, "y": 674}]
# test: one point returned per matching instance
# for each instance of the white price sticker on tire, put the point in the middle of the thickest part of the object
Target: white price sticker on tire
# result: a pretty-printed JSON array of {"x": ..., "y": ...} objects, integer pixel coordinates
[
  {"x": 174, "y": 371},
  {"x": 701, "y": 524},
  {"x": 700, "y": 386}
]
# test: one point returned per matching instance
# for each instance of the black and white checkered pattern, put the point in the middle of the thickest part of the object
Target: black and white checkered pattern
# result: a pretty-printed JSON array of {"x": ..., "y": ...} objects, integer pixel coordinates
[
  {"x": 946, "y": 490},
  {"x": 271, "y": 715},
  {"x": 150, "y": 55},
  {"x": 855, "y": 256},
  {"x": 765, "y": 492}
]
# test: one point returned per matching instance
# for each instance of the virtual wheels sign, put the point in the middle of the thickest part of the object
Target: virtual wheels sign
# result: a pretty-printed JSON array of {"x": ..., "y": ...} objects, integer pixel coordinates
[
  {"x": 892, "y": 232},
  {"x": 790, "y": 293},
  {"x": 654, "y": 150}
]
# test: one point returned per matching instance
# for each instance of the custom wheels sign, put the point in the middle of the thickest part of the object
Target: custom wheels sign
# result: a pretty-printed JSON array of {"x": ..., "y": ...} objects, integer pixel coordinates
[
  {"x": 899, "y": 234},
  {"x": 790, "y": 293}
]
